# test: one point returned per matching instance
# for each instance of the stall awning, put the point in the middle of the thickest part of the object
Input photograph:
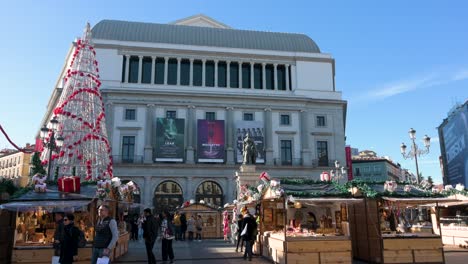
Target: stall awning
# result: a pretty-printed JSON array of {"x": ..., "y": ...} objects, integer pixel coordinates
[
  {"x": 423, "y": 201},
  {"x": 45, "y": 205},
  {"x": 329, "y": 200}
]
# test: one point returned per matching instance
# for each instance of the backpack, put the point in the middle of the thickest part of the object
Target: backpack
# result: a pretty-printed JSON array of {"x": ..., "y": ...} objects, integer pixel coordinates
[{"x": 81, "y": 239}]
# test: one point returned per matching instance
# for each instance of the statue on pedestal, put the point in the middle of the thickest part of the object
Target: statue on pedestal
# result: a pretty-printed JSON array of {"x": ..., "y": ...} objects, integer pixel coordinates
[{"x": 249, "y": 151}]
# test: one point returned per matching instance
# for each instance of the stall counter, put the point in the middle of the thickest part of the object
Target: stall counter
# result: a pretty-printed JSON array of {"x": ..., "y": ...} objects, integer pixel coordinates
[{"x": 421, "y": 249}]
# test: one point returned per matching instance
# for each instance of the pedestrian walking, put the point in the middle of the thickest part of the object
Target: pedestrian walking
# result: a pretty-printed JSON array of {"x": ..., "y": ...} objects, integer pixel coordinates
[
  {"x": 106, "y": 234},
  {"x": 134, "y": 225},
  {"x": 238, "y": 232},
  {"x": 250, "y": 227},
  {"x": 167, "y": 235},
  {"x": 177, "y": 225},
  {"x": 58, "y": 234},
  {"x": 199, "y": 228},
  {"x": 183, "y": 226},
  {"x": 69, "y": 243},
  {"x": 150, "y": 233},
  {"x": 226, "y": 229},
  {"x": 191, "y": 227}
]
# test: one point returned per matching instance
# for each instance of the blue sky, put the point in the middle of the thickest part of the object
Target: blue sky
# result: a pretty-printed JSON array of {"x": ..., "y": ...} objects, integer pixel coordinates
[{"x": 399, "y": 64}]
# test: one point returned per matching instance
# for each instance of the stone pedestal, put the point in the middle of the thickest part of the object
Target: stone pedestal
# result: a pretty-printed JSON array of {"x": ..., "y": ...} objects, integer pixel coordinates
[{"x": 247, "y": 175}]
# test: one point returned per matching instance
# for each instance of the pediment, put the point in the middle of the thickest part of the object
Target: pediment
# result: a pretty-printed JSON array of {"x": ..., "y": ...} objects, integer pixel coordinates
[{"x": 200, "y": 20}]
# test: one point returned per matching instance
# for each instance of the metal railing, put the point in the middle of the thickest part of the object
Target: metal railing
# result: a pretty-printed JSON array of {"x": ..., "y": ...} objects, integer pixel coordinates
[
  {"x": 323, "y": 163},
  {"x": 120, "y": 159},
  {"x": 289, "y": 162}
]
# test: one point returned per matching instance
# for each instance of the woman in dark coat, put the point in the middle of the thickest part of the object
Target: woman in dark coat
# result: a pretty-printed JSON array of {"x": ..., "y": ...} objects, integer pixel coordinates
[{"x": 69, "y": 245}]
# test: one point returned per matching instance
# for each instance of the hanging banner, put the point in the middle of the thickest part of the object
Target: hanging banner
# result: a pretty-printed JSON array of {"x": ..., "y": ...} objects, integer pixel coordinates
[
  {"x": 170, "y": 139},
  {"x": 210, "y": 141},
  {"x": 256, "y": 131},
  {"x": 349, "y": 162}
]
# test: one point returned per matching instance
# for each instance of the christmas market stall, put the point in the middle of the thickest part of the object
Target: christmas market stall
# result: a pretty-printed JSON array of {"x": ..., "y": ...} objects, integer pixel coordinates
[
  {"x": 305, "y": 221},
  {"x": 210, "y": 216},
  {"x": 393, "y": 224}
]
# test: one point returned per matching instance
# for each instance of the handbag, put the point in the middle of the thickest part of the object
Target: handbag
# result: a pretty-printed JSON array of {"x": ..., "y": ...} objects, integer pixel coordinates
[
  {"x": 55, "y": 260},
  {"x": 103, "y": 260},
  {"x": 244, "y": 231}
]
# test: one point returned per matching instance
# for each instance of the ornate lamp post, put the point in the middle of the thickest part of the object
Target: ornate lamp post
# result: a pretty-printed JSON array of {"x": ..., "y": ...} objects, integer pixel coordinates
[
  {"x": 415, "y": 151},
  {"x": 338, "y": 172},
  {"x": 53, "y": 144}
]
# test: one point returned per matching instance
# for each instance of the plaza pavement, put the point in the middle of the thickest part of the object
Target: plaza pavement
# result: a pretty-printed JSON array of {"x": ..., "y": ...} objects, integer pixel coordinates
[{"x": 214, "y": 251}]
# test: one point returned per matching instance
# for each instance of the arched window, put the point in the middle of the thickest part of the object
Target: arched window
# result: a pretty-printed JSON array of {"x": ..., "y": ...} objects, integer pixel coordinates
[
  {"x": 210, "y": 192},
  {"x": 168, "y": 196}
]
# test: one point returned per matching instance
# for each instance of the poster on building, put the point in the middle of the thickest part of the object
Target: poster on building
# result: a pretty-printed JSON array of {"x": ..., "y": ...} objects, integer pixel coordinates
[
  {"x": 256, "y": 132},
  {"x": 455, "y": 134},
  {"x": 170, "y": 139},
  {"x": 210, "y": 141},
  {"x": 349, "y": 162}
]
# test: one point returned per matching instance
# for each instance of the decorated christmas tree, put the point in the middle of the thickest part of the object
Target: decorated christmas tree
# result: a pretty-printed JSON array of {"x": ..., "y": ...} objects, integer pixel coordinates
[{"x": 80, "y": 111}]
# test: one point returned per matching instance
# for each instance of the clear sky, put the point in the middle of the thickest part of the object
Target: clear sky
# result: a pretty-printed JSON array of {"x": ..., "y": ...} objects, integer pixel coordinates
[{"x": 399, "y": 64}]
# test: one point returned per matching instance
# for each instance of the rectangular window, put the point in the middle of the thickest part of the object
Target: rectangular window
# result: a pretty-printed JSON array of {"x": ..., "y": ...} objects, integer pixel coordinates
[
  {"x": 159, "y": 71},
  {"x": 246, "y": 75},
  {"x": 171, "y": 114},
  {"x": 285, "y": 120},
  {"x": 357, "y": 172},
  {"x": 128, "y": 149},
  {"x": 133, "y": 69},
  {"x": 234, "y": 74},
  {"x": 248, "y": 117},
  {"x": 209, "y": 73},
  {"x": 185, "y": 72},
  {"x": 130, "y": 114},
  {"x": 124, "y": 64},
  {"x": 281, "y": 74},
  {"x": 222, "y": 74},
  {"x": 286, "y": 152},
  {"x": 377, "y": 169},
  {"x": 322, "y": 153},
  {"x": 147, "y": 63},
  {"x": 269, "y": 77},
  {"x": 210, "y": 116},
  {"x": 321, "y": 121},
  {"x": 197, "y": 73},
  {"x": 172, "y": 72},
  {"x": 258, "y": 77}
]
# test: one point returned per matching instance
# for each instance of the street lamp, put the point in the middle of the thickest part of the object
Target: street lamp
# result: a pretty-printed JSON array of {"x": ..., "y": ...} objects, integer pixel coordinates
[
  {"x": 53, "y": 144},
  {"x": 415, "y": 151},
  {"x": 338, "y": 172}
]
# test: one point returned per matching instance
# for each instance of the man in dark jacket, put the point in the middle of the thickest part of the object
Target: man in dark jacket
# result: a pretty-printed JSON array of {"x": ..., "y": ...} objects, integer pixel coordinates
[
  {"x": 106, "y": 234},
  {"x": 183, "y": 225},
  {"x": 150, "y": 233},
  {"x": 69, "y": 243},
  {"x": 249, "y": 236},
  {"x": 58, "y": 235}
]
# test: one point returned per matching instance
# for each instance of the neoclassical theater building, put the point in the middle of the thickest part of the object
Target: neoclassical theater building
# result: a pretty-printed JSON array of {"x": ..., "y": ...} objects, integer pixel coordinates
[{"x": 181, "y": 97}]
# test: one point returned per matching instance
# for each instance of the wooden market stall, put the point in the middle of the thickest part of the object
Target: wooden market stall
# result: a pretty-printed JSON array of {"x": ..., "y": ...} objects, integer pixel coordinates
[
  {"x": 308, "y": 224},
  {"x": 35, "y": 225},
  {"x": 395, "y": 227},
  {"x": 211, "y": 217}
]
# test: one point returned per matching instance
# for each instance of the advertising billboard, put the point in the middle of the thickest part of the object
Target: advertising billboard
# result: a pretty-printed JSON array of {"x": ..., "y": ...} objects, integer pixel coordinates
[
  {"x": 170, "y": 139},
  {"x": 210, "y": 141},
  {"x": 455, "y": 136},
  {"x": 256, "y": 132}
]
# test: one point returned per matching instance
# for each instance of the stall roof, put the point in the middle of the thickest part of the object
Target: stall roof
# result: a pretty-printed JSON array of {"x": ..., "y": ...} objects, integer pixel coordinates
[
  {"x": 429, "y": 201},
  {"x": 330, "y": 200},
  {"x": 64, "y": 205},
  {"x": 88, "y": 192},
  {"x": 305, "y": 189}
]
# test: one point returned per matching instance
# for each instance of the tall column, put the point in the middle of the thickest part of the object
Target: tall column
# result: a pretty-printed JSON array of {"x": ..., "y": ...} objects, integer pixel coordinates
[
  {"x": 305, "y": 134},
  {"x": 228, "y": 74},
  {"x": 190, "y": 155},
  {"x": 166, "y": 68},
  {"x": 153, "y": 67},
  {"x": 203, "y": 72},
  {"x": 178, "y": 70},
  {"x": 240, "y": 74},
  {"x": 148, "y": 158},
  {"x": 140, "y": 68},
  {"x": 189, "y": 189},
  {"x": 230, "y": 140},
  {"x": 251, "y": 75},
  {"x": 286, "y": 68},
  {"x": 293, "y": 77},
  {"x": 229, "y": 193},
  {"x": 147, "y": 192},
  {"x": 268, "y": 137},
  {"x": 276, "y": 75},
  {"x": 263, "y": 76},
  {"x": 127, "y": 66},
  {"x": 191, "y": 73},
  {"x": 216, "y": 73}
]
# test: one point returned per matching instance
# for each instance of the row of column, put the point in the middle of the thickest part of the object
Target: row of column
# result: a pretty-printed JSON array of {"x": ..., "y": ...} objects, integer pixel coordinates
[{"x": 228, "y": 79}]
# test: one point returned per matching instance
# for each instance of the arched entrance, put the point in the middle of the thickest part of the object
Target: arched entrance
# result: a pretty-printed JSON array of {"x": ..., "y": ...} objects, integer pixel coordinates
[
  {"x": 168, "y": 196},
  {"x": 210, "y": 192}
]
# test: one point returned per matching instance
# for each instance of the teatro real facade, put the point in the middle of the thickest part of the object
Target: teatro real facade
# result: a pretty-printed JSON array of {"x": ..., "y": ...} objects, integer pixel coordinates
[{"x": 180, "y": 97}]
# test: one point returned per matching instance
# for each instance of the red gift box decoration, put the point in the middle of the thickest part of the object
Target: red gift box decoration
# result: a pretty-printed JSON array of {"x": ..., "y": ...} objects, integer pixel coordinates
[{"x": 69, "y": 184}]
